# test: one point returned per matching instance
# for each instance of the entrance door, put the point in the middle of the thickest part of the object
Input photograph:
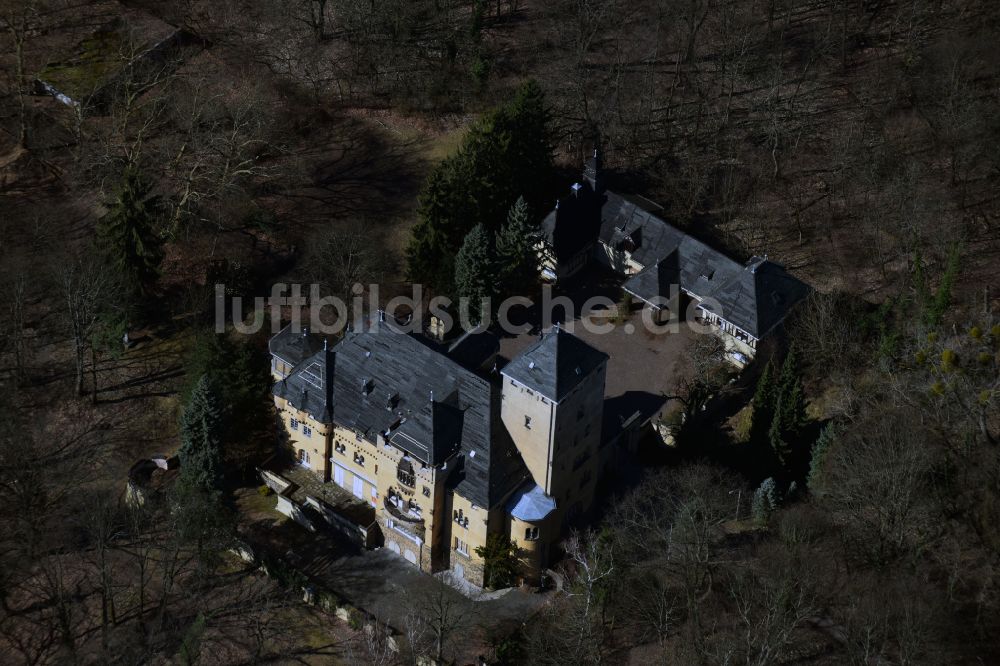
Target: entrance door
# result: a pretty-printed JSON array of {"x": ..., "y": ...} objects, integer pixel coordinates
[
  {"x": 359, "y": 488},
  {"x": 338, "y": 475},
  {"x": 459, "y": 571}
]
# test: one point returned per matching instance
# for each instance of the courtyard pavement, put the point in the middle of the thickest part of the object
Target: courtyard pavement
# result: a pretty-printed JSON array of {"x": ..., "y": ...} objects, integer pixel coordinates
[{"x": 644, "y": 367}]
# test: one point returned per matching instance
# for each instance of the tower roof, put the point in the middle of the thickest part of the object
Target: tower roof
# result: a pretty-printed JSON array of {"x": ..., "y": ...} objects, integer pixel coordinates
[{"x": 555, "y": 365}]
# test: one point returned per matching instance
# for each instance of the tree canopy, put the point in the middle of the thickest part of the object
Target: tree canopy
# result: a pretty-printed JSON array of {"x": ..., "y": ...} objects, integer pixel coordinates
[
  {"x": 242, "y": 380},
  {"x": 201, "y": 438},
  {"x": 506, "y": 154},
  {"x": 517, "y": 252},
  {"x": 128, "y": 233},
  {"x": 475, "y": 271}
]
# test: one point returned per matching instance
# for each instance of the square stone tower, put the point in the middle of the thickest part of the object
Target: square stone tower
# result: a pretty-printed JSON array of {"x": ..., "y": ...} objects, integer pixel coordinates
[{"x": 552, "y": 406}]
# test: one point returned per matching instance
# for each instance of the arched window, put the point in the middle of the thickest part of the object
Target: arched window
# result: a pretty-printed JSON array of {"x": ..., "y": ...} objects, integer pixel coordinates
[{"x": 405, "y": 473}]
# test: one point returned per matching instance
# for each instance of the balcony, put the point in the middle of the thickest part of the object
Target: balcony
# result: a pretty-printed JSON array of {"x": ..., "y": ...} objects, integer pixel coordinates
[{"x": 402, "y": 510}]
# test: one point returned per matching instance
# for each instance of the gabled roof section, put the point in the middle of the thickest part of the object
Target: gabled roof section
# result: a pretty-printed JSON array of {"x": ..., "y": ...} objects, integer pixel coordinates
[
  {"x": 309, "y": 387},
  {"x": 383, "y": 381},
  {"x": 653, "y": 283},
  {"x": 622, "y": 219},
  {"x": 754, "y": 297},
  {"x": 433, "y": 432},
  {"x": 573, "y": 225},
  {"x": 757, "y": 298},
  {"x": 293, "y": 347},
  {"x": 555, "y": 365}
]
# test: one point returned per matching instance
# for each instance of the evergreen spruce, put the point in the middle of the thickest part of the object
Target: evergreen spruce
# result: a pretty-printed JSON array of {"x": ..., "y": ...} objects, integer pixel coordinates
[
  {"x": 790, "y": 371},
  {"x": 500, "y": 561},
  {"x": 241, "y": 378},
  {"x": 201, "y": 433},
  {"x": 791, "y": 414},
  {"x": 776, "y": 435},
  {"x": 763, "y": 404},
  {"x": 475, "y": 271},
  {"x": 942, "y": 297},
  {"x": 506, "y": 154},
  {"x": 820, "y": 451},
  {"x": 517, "y": 254},
  {"x": 764, "y": 502},
  {"x": 128, "y": 236}
]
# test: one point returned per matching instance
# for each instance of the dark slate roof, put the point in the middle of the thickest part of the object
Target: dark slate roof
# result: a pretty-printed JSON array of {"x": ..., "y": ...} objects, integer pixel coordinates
[
  {"x": 388, "y": 382},
  {"x": 309, "y": 387},
  {"x": 475, "y": 350},
  {"x": 554, "y": 365},
  {"x": 759, "y": 296},
  {"x": 572, "y": 226},
  {"x": 292, "y": 347},
  {"x": 652, "y": 284},
  {"x": 653, "y": 238},
  {"x": 754, "y": 297}
]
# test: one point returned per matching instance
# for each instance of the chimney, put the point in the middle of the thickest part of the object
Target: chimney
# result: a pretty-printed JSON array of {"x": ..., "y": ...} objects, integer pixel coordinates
[{"x": 593, "y": 172}]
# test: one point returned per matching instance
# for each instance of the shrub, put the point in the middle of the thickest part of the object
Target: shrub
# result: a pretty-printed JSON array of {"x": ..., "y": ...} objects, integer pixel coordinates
[
  {"x": 932, "y": 336},
  {"x": 921, "y": 357},
  {"x": 765, "y": 501},
  {"x": 948, "y": 359},
  {"x": 264, "y": 490},
  {"x": 985, "y": 358},
  {"x": 976, "y": 332},
  {"x": 937, "y": 388}
]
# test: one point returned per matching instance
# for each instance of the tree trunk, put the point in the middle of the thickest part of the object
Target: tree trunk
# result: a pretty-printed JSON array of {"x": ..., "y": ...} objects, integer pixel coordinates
[
  {"x": 80, "y": 362},
  {"x": 93, "y": 373}
]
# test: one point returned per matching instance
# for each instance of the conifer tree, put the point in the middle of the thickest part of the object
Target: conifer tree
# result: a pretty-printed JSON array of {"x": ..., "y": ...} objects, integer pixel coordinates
[
  {"x": 506, "y": 154},
  {"x": 517, "y": 254},
  {"x": 820, "y": 452},
  {"x": 776, "y": 435},
  {"x": 500, "y": 561},
  {"x": 201, "y": 448},
  {"x": 241, "y": 379},
  {"x": 128, "y": 235},
  {"x": 792, "y": 412},
  {"x": 475, "y": 271},
  {"x": 763, "y": 404}
]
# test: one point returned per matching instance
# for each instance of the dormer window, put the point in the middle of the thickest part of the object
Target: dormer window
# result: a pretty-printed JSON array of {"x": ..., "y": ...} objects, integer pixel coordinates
[
  {"x": 367, "y": 386},
  {"x": 392, "y": 401},
  {"x": 531, "y": 534},
  {"x": 527, "y": 422}
]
